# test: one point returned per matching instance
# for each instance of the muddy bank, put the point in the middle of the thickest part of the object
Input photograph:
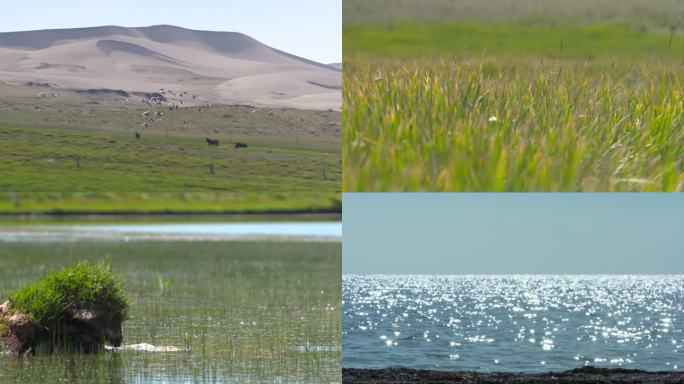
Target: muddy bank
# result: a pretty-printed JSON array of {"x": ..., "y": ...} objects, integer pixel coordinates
[{"x": 585, "y": 375}]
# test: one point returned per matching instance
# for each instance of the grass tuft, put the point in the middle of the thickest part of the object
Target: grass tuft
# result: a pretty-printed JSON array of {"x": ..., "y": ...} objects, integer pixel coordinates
[{"x": 84, "y": 284}]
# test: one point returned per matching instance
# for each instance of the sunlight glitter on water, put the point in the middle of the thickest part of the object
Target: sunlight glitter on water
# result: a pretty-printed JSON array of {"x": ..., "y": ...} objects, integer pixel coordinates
[{"x": 525, "y": 323}]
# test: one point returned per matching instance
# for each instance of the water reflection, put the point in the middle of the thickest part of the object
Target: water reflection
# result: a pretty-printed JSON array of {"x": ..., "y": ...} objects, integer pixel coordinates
[
  {"x": 179, "y": 231},
  {"x": 513, "y": 323}
]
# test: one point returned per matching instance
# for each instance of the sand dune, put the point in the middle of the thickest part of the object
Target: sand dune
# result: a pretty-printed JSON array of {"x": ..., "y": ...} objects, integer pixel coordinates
[{"x": 221, "y": 67}]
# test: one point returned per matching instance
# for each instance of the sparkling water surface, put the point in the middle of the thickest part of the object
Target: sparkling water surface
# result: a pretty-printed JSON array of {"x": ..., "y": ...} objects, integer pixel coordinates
[{"x": 513, "y": 323}]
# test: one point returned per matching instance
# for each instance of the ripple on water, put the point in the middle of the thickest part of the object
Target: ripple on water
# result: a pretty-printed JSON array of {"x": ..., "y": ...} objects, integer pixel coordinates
[{"x": 513, "y": 323}]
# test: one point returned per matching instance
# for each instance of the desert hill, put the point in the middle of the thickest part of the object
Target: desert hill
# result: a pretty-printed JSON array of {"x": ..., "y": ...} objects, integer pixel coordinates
[{"x": 220, "y": 67}]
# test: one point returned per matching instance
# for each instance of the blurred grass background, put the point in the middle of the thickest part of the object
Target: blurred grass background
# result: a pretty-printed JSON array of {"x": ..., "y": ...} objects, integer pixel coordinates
[{"x": 528, "y": 95}]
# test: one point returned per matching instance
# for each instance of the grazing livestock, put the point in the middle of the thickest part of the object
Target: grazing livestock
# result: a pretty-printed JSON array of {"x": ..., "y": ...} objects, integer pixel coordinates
[
  {"x": 240, "y": 145},
  {"x": 211, "y": 142},
  {"x": 143, "y": 125},
  {"x": 137, "y": 135},
  {"x": 146, "y": 114}
]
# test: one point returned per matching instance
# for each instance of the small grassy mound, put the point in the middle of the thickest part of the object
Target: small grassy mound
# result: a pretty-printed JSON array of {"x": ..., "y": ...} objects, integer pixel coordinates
[{"x": 83, "y": 285}]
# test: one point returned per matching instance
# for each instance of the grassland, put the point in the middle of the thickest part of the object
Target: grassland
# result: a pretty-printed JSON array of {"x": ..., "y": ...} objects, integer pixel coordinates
[
  {"x": 115, "y": 204},
  {"x": 517, "y": 101},
  {"x": 635, "y": 13},
  {"x": 82, "y": 147},
  {"x": 244, "y": 311}
]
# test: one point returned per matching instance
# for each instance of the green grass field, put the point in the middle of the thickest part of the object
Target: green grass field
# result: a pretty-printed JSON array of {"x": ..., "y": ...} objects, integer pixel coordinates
[
  {"x": 513, "y": 101},
  {"x": 45, "y": 160},
  {"x": 68, "y": 154},
  {"x": 122, "y": 203}
]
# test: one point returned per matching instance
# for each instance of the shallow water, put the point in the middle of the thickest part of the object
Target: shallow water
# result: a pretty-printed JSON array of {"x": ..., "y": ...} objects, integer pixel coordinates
[
  {"x": 332, "y": 229},
  {"x": 513, "y": 323},
  {"x": 240, "y": 311},
  {"x": 327, "y": 231}
]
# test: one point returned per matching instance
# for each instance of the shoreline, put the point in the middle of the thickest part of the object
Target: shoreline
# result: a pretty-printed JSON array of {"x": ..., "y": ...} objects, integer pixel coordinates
[
  {"x": 161, "y": 216},
  {"x": 584, "y": 375}
]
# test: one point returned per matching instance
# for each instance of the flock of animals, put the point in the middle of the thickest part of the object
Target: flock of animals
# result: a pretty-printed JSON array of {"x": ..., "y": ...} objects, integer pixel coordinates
[
  {"x": 149, "y": 117},
  {"x": 158, "y": 101}
]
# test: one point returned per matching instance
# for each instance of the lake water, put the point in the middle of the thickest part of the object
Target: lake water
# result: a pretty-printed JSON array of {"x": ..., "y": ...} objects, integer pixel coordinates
[
  {"x": 513, "y": 323},
  {"x": 221, "y": 311},
  {"x": 176, "y": 231}
]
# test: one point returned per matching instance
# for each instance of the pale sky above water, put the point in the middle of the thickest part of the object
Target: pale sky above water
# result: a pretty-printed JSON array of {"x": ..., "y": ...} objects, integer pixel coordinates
[
  {"x": 552, "y": 233},
  {"x": 308, "y": 28}
]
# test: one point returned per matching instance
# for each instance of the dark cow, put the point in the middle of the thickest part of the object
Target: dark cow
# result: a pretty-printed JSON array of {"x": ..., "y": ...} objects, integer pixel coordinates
[
  {"x": 137, "y": 135},
  {"x": 211, "y": 142},
  {"x": 240, "y": 145}
]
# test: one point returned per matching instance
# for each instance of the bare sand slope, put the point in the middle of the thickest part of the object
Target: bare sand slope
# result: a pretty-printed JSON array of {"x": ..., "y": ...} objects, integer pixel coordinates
[{"x": 220, "y": 67}]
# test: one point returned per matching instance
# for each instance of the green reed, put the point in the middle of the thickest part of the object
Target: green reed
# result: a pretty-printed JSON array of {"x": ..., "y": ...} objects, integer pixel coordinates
[
  {"x": 512, "y": 124},
  {"x": 243, "y": 311}
]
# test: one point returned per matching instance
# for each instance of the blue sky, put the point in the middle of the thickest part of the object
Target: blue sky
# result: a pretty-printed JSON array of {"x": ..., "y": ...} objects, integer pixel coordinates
[
  {"x": 307, "y": 28},
  {"x": 513, "y": 233}
]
